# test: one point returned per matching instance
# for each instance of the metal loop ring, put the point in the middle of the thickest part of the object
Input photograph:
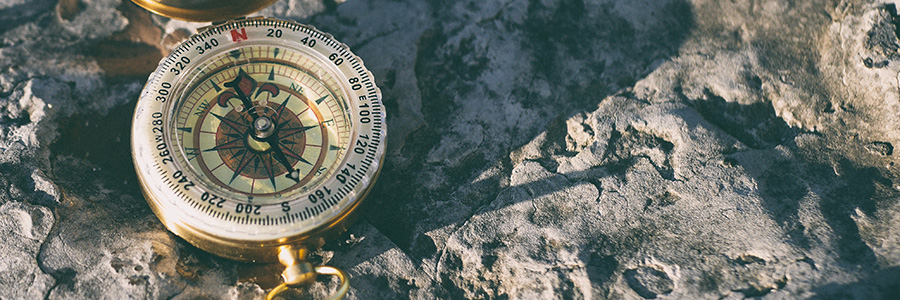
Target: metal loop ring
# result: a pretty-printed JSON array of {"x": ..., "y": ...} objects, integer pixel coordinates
[{"x": 320, "y": 270}]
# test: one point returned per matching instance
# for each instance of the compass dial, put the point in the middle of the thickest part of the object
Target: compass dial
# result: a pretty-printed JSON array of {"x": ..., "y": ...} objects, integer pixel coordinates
[
  {"x": 258, "y": 133},
  {"x": 258, "y": 126}
]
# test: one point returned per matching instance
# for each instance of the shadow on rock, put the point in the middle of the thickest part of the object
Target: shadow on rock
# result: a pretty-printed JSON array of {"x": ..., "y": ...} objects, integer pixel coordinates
[
  {"x": 792, "y": 188},
  {"x": 15, "y": 15},
  {"x": 104, "y": 142},
  {"x": 492, "y": 77},
  {"x": 826, "y": 184},
  {"x": 881, "y": 284}
]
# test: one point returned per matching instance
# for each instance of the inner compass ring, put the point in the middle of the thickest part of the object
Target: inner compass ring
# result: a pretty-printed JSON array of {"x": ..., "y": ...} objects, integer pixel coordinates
[
  {"x": 262, "y": 122},
  {"x": 259, "y": 138}
]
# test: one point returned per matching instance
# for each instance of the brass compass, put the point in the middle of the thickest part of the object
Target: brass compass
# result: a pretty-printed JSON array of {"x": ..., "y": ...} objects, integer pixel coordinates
[{"x": 256, "y": 139}]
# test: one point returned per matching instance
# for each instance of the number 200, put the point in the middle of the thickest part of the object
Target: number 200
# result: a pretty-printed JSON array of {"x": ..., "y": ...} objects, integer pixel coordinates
[{"x": 247, "y": 208}]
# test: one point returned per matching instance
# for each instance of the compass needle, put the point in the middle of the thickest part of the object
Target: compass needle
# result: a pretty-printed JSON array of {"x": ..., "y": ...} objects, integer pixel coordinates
[
  {"x": 243, "y": 86},
  {"x": 267, "y": 87},
  {"x": 222, "y": 100},
  {"x": 269, "y": 170},
  {"x": 296, "y": 156},
  {"x": 272, "y": 135}
]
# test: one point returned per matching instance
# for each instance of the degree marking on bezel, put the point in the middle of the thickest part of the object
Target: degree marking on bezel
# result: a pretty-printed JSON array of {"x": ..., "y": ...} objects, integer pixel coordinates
[{"x": 374, "y": 130}]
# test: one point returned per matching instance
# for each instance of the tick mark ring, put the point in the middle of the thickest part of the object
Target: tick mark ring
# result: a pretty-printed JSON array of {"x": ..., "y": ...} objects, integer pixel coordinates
[{"x": 311, "y": 110}]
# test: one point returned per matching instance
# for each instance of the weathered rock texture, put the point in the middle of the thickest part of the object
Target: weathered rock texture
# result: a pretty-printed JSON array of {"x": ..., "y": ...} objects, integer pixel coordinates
[{"x": 538, "y": 149}]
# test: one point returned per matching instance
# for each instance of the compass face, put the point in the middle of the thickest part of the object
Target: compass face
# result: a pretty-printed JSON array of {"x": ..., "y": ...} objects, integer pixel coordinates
[
  {"x": 257, "y": 133},
  {"x": 258, "y": 125}
]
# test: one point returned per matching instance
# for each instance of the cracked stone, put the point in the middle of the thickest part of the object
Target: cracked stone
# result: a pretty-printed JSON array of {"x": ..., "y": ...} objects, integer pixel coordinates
[
  {"x": 537, "y": 149},
  {"x": 649, "y": 281},
  {"x": 27, "y": 227}
]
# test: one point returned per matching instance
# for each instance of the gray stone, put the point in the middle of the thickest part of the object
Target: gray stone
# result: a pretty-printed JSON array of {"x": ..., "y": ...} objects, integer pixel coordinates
[
  {"x": 649, "y": 281},
  {"x": 26, "y": 227},
  {"x": 537, "y": 149}
]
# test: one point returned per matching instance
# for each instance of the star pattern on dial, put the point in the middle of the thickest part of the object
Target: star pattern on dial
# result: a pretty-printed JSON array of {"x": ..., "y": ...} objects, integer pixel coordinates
[{"x": 246, "y": 149}]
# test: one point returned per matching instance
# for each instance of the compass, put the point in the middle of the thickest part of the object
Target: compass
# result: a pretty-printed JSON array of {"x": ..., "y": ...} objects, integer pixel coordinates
[{"x": 256, "y": 139}]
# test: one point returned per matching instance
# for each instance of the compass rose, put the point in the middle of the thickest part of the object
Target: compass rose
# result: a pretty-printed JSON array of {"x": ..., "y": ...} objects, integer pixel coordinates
[{"x": 259, "y": 139}]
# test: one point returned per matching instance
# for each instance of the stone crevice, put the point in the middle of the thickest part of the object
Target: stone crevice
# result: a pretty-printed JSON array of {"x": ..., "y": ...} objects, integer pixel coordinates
[{"x": 539, "y": 150}]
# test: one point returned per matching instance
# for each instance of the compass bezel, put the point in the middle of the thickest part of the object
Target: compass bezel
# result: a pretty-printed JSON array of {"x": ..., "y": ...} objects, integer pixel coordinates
[{"x": 175, "y": 199}]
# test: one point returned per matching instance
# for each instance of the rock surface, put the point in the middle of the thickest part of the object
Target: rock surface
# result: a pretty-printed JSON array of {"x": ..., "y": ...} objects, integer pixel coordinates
[{"x": 538, "y": 149}]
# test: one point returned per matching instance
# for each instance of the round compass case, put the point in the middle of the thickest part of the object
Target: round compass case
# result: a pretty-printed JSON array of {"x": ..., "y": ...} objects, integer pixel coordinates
[{"x": 256, "y": 138}]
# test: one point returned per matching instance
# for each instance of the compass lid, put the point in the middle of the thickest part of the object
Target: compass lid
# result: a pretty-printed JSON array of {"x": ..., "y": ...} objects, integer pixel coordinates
[{"x": 203, "y": 10}]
